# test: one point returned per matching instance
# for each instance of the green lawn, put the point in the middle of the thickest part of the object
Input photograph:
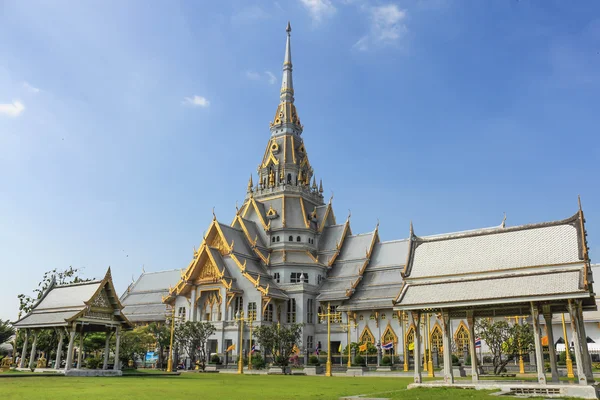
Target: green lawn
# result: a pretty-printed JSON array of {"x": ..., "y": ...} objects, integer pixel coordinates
[{"x": 221, "y": 386}]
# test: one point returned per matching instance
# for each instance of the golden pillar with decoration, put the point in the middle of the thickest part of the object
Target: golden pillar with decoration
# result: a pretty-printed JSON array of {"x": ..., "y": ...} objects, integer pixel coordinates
[
  {"x": 430, "y": 371},
  {"x": 328, "y": 315},
  {"x": 521, "y": 363},
  {"x": 170, "y": 362},
  {"x": 348, "y": 326},
  {"x": 567, "y": 350},
  {"x": 250, "y": 320},
  {"x": 406, "y": 350},
  {"x": 239, "y": 318}
]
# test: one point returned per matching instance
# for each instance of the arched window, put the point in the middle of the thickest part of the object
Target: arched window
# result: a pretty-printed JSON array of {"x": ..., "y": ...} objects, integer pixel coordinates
[
  {"x": 410, "y": 338},
  {"x": 366, "y": 336},
  {"x": 273, "y": 239},
  {"x": 298, "y": 238},
  {"x": 291, "y": 239},
  {"x": 361, "y": 317},
  {"x": 436, "y": 337},
  {"x": 289, "y": 179},
  {"x": 461, "y": 337},
  {"x": 278, "y": 238},
  {"x": 389, "y": 336}
]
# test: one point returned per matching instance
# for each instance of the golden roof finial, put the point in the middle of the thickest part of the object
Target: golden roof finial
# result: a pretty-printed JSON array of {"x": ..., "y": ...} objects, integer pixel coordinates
[
  {"x": 250, "y": 183},
  {"x": 237, "y": 209},
  {"x": 314, "y": 185},
  {"x": 579, "y": 201},
  {"x": 320, "y": 185},
  {"x": 331, "y": 198},
  {"x": 214, "y": 215},
  {"x": 349, "y": 214},
  {"x": 504, "y": 221}
]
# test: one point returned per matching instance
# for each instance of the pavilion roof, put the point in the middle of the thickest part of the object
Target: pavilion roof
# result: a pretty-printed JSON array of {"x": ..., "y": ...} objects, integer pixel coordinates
[
  {"x": 93, "y": 303},
  {"x": 497, "y": 266}
]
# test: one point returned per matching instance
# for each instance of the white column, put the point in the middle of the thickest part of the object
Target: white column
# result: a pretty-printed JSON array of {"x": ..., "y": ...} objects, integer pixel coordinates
[
  {"x": 537, "y": 339},
  {"x": 24, "y": 351},
  {"x": 117, "y": 347},
  {"x": 33, "y": 349},
  {"x": 551, "y": 350},
  {"x": 472, "y": 350},
  {"x": 193, "y": 305},
  {"x": 224, "y": 316},
  {"x": 69, "y": 361},
  {"x": 106, "y": 350},
  {"x": 80, "y": 352},
  {"x": 446, "y": 338},
  {"x": 416, "y": 319},
  {"x": 581, "y": 375},
  {"x": 583, "y": 342},
  {"x": 61, "y": 335}
]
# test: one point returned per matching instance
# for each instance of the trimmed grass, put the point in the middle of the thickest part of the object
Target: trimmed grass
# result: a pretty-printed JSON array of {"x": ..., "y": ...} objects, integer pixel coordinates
[{"x": 222, "y": 386}]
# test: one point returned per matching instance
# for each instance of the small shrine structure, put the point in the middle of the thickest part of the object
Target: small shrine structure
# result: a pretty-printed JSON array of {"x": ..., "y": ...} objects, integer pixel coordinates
[{"x": 77, "y": 308}]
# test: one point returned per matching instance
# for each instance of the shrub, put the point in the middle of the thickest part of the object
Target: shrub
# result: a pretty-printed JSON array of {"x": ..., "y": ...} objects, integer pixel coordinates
[
  {"x": 258, "y": 362},
  {"x": 359, "y": 361},
  {"x": 455, "y": 360},
  {"x": 215, "y": 359},
  {"x": 313, "y": 360},
  {"x": 487, "y": 359},
  {"x": 468, "y": 360},
  {"x": 93, "y": 362},
  {"x": 547, "y": 367},
  {"x": 562, "y": 357},
  {"x": 386, "y": 360}
]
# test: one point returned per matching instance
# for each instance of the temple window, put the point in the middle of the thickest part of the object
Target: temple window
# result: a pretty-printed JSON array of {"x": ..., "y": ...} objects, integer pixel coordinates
[
  {"x": 310, "y": 343},
  {"x": 291, "y": 311},
  {"x": 298, "y": 238},
  {"x": 252, "y": 311},
  {"x": 367, "y": 336},
  {"x": 336, "y": 317},
  {"x": 461, "y": 338},
  {"x": 319, "y": 279},
  {"x": 310, "y": 311},
  {"x": 291, "y": 239},
  {"x": 298, "y": 277},
  {"x": 382, "y": 316},
  {"x": 436, "y": 338},
  {"x": 268, "y": 314},
  {"x": 372, "y": 316},
  {"x": 273, "y": 239},
  {"x": 278, "y": 238},
  {"x": 410, "y": 338},
  {"x": 276, "y": 277},
  {"x": 395, "y": 316},
  {"x": 181, "y": 313},
  {"x": 238, "y": 305},
  {"x": 361, "y": 318},
  {"x": 289, "y": 179}
]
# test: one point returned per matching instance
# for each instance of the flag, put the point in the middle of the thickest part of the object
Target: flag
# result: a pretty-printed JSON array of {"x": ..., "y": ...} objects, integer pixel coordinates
[
  {"x": 340, "y": 348},
  {"x": 477, "y": 343},
  {"x": 362, "y": 347},
  {"x": 295, "y": 350},
  {"x": 388, "y": 346},
  {"x": 411, "y": 346},
  {"x": 230, "y": 348},
  {"x": 253, "y": 349},
  {"x": 318, "y": 348},
  {"x": 545, "y": 341}
]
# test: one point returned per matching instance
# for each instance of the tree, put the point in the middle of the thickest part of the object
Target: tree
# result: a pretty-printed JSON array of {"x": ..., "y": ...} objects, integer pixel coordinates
[
  {"x": 192, "y": 336},
  {"x": 279, "y": 341},
  {"x": 162, "y": 337},
  {"x": 134, "y": 345},
  {"x": 6, "y": 331},
  {"x": 505, "y": 341}
]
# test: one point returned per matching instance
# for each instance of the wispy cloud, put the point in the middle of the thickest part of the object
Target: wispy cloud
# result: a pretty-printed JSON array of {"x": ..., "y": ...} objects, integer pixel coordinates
[
  {"x": 13, "y": 109},
  {"x": 272, "y": 77},
  {"x": 267, "y": 76},
  {"x": 30, "y": 88},
  {"x": 319, "y": 9},
  {"x": 386, "y": 26},
  {"x": 196, "y": 101},
  {"x": 253, "y": 75}
]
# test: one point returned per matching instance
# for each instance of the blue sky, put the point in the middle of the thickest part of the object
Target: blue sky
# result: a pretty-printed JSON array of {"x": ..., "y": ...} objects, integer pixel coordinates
[{"x": 123, "y": 123}]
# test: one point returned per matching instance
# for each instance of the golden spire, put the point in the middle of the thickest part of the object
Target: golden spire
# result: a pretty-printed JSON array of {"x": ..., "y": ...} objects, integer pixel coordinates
[
  {"x": 320, "y": 185},
  {"x": 314, "y": 185},
  {"x": 250, "y": 184}
]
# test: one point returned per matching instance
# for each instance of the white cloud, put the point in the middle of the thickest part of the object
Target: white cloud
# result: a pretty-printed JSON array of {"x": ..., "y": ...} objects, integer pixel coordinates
[
  {"x": 252, "y": 75},
  {"x": 272, "y": 77},
  {"x": 13, "y": 109},
  {"x": 387, "y": 26},
  {"x": 319, "y": 9},
  {"x": 30, "y": 88},
  {"x": 196, "y": 101}
]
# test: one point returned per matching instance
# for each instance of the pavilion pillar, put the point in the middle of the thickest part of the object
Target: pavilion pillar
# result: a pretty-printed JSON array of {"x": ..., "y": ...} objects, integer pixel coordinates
[
  {"x": 537, "y": 339},
  {"x": 416, "y": 318},
  {"x": 193, "y": 305},
  {"x": 24, "y": 351},
  {"x": 117, "y": 347},
  {"x": 61, "y": 336},
  {"x": 80, "y": 351},
  {"x": 583, "y": 343},
  {"x": 551, "y": 349},
  {"x": 106, "y": 350},
  {"x": 447, "y": 347},
  {"x": 581, "y": 375},
  {"x": 472, "y": 350},
  {"x": 33, "y": 350},
  {"x": 69, "y": 362}
]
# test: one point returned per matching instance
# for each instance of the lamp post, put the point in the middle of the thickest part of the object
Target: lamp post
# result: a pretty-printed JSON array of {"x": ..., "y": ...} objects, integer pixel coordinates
[
  {"x": 347, "y": 327},
  {"x": 430, "y": 372},
  {"x": 521, "y": 363},
  {"x": 239, "y": 318},
  {"x": 329, "y": 315},
  {"x": 568, "y": 350},
  {"x": 170, "y": 362},
  {"x": 404, "y": 317}
]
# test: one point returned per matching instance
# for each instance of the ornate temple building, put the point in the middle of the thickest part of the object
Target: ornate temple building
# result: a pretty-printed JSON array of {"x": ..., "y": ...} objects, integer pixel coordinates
[{"x": 286, "y": 258}]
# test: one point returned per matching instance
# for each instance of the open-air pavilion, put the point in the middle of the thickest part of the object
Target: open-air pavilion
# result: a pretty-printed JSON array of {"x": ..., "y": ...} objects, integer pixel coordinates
[
  {"x": 536, "y": 270},
  {"x": 77, "y": 308}
]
